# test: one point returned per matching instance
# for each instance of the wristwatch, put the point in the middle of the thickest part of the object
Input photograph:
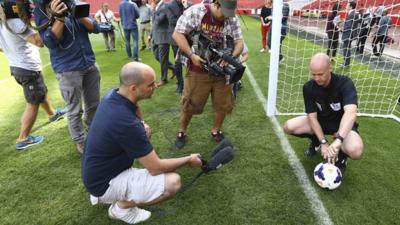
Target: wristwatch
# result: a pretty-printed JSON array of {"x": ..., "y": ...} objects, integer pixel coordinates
[
  {"x": 340, "y": 138},
  {"x": 323, "y": 141}
]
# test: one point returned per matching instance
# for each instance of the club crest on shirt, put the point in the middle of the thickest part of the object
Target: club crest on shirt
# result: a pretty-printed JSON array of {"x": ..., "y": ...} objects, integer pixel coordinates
[
  {"x": 319, "y": 106},
  {"x": 335, "y": 106}
]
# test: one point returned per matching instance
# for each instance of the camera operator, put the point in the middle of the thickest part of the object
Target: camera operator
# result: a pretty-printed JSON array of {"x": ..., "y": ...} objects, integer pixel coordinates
[
  {"x": 216, "y": 20},
  {"x": 73, "y": 60},
  {"x": 19, "y": 43}
]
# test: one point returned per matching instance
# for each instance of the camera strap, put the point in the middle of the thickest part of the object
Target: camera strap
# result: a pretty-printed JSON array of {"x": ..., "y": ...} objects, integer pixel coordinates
[{"x": 105, "y": 17}]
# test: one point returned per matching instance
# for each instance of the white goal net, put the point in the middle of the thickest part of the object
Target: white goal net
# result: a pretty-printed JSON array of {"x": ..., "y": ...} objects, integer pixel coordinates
[{"x": 375, "y": 73}]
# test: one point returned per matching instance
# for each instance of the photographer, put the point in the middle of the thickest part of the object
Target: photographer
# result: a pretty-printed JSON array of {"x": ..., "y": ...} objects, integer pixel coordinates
[
  {"x": 216, "y": 20},
  {"x": 145, "y": 24},
  {"x": 106, "y": 16},
  {"x": 19, "y": 43},
  {"x": 73, "y": 60}
]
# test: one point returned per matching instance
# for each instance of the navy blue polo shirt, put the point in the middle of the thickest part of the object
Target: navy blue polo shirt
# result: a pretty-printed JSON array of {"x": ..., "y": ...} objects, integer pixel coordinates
[{"x": 116, "y": 137}]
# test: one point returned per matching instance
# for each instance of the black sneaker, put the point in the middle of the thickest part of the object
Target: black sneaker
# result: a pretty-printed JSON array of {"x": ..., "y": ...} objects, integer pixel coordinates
[
  {"x": 341, "y": 164},
  {"x": 178, "y": 91},
  {"x": 311, "y": 150},
  {"x": 218, "y": 137},
  {"x": 180, "y": 140}
]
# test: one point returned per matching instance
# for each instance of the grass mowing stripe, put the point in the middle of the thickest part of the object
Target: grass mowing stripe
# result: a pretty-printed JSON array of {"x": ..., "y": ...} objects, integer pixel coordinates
[{"x": 316, "y": 203}]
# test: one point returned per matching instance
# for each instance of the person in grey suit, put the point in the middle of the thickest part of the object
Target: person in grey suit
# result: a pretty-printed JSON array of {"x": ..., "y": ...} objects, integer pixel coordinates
[
  {"x": 174, "y": 11},
  {"x": 350, "y": 28},
  {"x": 161, "y": 38}
]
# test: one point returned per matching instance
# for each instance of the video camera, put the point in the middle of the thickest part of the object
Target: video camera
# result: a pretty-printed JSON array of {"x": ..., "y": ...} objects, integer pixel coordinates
[
  {"x": 76, "y": 8},
  {"x": 211, "y": 51},
  {"x": 16, "y": 8}
]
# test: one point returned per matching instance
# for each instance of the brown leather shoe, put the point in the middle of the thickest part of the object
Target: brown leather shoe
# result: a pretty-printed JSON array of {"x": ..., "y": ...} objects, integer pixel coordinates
[
  {"x": 80, "y": 148},
  {"x": 161, "y": 83}
]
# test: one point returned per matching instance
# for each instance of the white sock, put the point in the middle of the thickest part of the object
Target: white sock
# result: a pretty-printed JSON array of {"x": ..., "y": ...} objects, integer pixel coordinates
[{"x": 119, "y": 210}]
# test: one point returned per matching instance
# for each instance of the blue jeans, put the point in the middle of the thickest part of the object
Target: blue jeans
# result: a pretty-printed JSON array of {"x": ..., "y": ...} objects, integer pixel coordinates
[{"x": 135, "y": 36}]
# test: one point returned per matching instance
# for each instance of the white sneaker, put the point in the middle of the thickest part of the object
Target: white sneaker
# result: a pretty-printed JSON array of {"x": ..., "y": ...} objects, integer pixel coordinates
[
  {"x": 132, "y": 216},
  {"x": 262, "y": 50},
  {"x": 269, "y": 51}
]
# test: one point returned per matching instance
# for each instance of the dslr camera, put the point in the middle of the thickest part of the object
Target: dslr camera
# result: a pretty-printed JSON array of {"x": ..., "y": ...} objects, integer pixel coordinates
[
  {"x": 76, "y": 8},
  {"x": 211, "y": 51}
]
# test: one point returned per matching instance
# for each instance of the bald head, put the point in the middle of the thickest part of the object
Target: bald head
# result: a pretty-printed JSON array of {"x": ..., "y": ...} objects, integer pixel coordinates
[
  {"x": 320, "y": 61},
  {"x": 320, "y": 67},
  {"x": 134, "y": 73}
]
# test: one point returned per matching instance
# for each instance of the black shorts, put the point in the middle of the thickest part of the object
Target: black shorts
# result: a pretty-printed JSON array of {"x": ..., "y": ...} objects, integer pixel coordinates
[
  {"x": 32, "y": 82},
  {"x": 331, "y": 128}
]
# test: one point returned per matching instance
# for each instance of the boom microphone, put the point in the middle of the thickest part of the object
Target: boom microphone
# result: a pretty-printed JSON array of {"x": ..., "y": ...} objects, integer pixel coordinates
[
  {"x": 224, "y": 143},
  {"x": 222, "y": 157}
]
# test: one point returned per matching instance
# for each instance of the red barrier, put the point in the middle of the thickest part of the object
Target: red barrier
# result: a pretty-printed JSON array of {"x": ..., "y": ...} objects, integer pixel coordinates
[{"x": 396, "y": 20}]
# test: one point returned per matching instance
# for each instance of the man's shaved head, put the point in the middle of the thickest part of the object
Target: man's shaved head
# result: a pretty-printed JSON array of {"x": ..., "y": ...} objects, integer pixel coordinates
[
  {"x": 133, "y": 73},
  {"x": 320, "y": 67},
  {"x": 320, "y": 61}
]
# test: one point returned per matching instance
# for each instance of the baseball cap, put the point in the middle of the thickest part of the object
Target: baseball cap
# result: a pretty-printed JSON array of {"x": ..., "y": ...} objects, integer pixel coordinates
[{"x": 228, "y": 7}]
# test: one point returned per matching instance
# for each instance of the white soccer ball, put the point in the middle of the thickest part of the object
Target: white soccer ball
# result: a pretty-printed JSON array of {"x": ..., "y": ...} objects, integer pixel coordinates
[{"x": 327, "y": 176}]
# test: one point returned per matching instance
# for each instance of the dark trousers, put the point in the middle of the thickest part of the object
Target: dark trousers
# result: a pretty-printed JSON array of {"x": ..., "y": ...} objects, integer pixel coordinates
[
  {"x": 163, "y": 54},
  {"x": 362, "y": 38},
  {"x": 178, "y": 68},
  {"x": 110, "y": 44},
  {"x": 347, "y": 51},
  {"x": 333, "y": 42},
  {"x": 283, "y": 36},
  {"x": 378, "y": 39}
]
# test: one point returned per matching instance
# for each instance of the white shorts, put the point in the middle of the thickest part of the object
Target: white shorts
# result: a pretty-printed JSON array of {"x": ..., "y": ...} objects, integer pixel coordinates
[{"x": 136, "y": 185}]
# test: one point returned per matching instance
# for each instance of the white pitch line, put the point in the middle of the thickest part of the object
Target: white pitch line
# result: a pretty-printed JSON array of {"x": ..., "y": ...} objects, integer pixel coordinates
[{"x": 317, "y": 206}]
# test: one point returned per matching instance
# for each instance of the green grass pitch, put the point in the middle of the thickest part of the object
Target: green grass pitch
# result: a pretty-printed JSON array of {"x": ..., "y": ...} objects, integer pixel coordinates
[{"x": 42, "y": 184}]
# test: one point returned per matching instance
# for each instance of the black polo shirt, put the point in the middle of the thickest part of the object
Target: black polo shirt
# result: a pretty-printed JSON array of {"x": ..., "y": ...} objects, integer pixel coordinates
[{"x": 328, "y": 102}]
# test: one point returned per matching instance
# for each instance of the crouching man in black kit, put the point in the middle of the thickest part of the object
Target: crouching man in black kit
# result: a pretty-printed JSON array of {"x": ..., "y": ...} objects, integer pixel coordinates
[{"x": 331, "y": 105}]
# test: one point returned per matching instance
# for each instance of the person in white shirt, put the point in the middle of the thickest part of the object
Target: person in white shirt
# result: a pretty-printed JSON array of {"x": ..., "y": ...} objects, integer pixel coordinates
[
  {"x": 145, "y": 24},
  {"x": 19, "y": 43},
  {"x": 106, "y": 16}
]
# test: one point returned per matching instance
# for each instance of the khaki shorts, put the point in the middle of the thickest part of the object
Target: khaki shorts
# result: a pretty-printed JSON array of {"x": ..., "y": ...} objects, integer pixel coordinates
[{"x": 198, "y": 86}]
